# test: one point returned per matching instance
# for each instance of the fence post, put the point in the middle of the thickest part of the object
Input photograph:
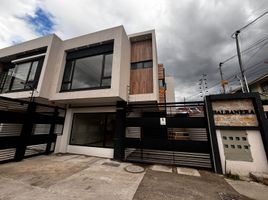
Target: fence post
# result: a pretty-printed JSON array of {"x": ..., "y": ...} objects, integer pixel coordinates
[
  {"x": 119, "y": 147},
  {"x": 51, "y": 131},
  {"x": 26, "y": 132}
]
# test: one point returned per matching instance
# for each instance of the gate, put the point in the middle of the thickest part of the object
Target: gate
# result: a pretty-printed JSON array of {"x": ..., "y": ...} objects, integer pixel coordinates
[
  {"x": 171, "y": 133},
  {"x": 28, "y": 129}
]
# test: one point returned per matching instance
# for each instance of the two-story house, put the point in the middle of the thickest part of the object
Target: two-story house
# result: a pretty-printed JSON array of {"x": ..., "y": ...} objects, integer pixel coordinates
[{"x": 87, "y": 75}]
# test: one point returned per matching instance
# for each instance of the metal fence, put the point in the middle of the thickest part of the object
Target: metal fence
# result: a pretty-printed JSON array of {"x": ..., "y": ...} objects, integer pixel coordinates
[
  {"x": 180, "y": 139},
  {"x": 28, "y": 128}
]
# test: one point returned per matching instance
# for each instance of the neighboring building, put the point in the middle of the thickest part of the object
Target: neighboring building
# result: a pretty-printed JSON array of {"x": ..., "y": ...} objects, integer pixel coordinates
[
  {"x": 87, "y": 75},
  {"x": 170, "y": 91},
  {"x": 260, "y": 85}
]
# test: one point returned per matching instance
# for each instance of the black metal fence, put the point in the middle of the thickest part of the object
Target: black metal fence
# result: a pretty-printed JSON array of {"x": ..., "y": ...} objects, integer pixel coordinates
[
  {"x": 28, "y": 128},
  {"x": 180, "y": 139}
]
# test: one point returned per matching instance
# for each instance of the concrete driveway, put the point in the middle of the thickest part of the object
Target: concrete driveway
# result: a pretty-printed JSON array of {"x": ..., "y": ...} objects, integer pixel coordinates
[
  {"x": 67, "y": 177},
  {"x": 82, "y": 177}
]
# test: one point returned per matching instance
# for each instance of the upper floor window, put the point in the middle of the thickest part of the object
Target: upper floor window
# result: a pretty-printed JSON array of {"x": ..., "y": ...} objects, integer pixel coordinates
[
  {"x": 89, "y": 68},
  {"x": 142, "y": 64},
  {"x": 22, "y": 74}
]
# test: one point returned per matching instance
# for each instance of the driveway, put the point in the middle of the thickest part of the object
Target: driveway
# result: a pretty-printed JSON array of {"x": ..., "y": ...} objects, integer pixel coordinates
[
  {"x": 67, "y": 177},
  {"x": 81, "y": 177}
]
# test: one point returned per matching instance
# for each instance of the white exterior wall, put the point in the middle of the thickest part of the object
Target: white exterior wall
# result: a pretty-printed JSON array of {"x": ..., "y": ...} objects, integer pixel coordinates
[
  {"x": 121, "y": 60},
  {"x": 62, "y": 143},
  {"x": 50, "y": 80},
  {"x": 155, "y": 95},
  {"x": 27, "y": 46},
  {"x": 124, "y": 67},
  {"x": 50, "y": 67},
  {"x": 170, "y": 91},
  {"x": 243, "y": 168}
]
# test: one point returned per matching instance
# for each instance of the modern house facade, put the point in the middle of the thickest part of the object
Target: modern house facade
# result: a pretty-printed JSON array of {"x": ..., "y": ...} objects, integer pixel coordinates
[
  {"x": 87, "y": 75},
  {"x": 119, "y": 104}
]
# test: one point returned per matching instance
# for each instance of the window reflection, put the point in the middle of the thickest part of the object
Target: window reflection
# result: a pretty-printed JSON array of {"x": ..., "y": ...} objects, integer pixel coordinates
[
  {"x": 93, "y": 129},
  {"x": 22, "y": 76},
  {"x": 86, "y": 70}
]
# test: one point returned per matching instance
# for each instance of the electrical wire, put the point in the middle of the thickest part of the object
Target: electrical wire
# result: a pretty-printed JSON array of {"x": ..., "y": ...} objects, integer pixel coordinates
[
  {"x": 252, "y": 22},
  {"x": 245, "y": 51},
  {"x": 233, "y": 77}
]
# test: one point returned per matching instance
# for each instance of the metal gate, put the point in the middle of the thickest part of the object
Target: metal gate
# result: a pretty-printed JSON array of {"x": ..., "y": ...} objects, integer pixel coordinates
[
  {"x": 172, "y": 133},
  {"x": 28, "y": 128}
]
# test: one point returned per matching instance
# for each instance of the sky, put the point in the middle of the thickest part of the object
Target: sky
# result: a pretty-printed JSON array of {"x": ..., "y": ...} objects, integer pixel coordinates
[{"x": 193, "y": 36}]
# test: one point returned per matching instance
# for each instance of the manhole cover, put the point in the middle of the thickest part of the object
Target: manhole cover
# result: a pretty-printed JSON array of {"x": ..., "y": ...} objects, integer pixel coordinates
[
  {"x": 134, "y": 169},
  {"x": 226, "y": 196}
]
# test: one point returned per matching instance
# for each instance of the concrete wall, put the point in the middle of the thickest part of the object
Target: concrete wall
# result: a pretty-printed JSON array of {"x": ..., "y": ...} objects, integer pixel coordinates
[
  {"x": 27, "y": 46},
  {"x": 243, "y": 168},
  {"x": 120, "y": 62},
  {"x": 124, "y": 77},
  {"x": 54, "y": 64},
  {"x": 170, "y": 91},
  {"x": 62, "y": 143},
  {"x": 51, "y": 66}
]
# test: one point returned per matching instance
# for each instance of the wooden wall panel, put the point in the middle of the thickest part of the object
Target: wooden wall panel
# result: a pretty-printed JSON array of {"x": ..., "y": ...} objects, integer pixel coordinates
[
  {"x": 161, "y": 72},
  {"x": 141, "y": 50},
  {"x": 141, "y": 81}
]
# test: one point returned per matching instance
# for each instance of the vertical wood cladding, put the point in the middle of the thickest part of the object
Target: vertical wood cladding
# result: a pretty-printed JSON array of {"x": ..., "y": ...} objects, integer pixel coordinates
[
  {"x": 141, "y": 80},
  {"x": 161, "y": 72},
  {"x": 141, "y": 50}
]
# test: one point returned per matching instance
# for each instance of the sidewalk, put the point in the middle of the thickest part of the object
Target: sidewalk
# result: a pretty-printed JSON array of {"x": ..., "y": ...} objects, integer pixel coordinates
[{"x": 81, "y": 177}]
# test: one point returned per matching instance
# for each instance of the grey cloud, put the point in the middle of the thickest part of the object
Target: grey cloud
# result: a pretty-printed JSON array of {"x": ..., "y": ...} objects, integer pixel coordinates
[
  {"x": 192, "y": 36},
  {"x": 203, "y": 35}
]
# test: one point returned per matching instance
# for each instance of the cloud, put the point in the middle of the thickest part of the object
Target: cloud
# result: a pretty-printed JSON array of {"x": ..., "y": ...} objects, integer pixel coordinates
[
  {"x": 42, "y": 22},
  {"x": 193, "y": 36},
  {"x": 13, "y": 28}
]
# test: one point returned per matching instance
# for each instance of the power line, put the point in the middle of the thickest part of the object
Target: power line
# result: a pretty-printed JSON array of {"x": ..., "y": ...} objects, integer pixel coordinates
[
  {"x": 260, "y": 48},
  {"x": 232, "y": 77},
  {"x": 244, "y": 27},
  {"x": 245, "y": 51}
]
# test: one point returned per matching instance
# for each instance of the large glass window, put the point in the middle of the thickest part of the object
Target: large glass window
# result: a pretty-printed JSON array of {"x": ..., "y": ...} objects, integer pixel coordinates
[
  {"x": 88, "y": 68},
  {"x": 22, "y": 76},
  {"x": 93, "y": 129}
]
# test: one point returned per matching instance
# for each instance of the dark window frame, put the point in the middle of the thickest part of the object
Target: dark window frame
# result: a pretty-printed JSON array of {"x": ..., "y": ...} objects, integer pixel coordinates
[
  {"x": 104, "y": 50},
  {"x": 104, "y": 133},
  {"x": 33, "y": 83},
  {"x": 134, "y": 65}
]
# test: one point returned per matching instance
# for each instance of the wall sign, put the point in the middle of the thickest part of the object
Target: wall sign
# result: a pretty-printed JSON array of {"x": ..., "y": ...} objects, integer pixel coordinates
[
  {"x": 239, "y": 112},
  {"x": 163, "y": 121}
]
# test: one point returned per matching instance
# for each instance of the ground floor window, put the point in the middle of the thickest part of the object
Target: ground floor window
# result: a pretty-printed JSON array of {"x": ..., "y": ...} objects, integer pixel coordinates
[{"x": 93, "y": 129}]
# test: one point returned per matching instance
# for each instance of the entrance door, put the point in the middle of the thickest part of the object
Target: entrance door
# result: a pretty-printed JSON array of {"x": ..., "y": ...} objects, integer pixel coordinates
[{"x": 93, "y": 130}]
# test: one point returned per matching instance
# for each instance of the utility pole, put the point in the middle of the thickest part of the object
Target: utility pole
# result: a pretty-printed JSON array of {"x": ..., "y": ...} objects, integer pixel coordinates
[
  {"x": 244, "y": 85},
  {"x": 203, "y": 85},
  {"x": 222, "y": 81},
  {"x": 236, "y": 33},
  {"x": 240, "y": 81}
]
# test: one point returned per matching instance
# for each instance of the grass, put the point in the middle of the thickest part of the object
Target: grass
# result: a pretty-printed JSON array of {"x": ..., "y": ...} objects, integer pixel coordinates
[{"x": 235, "y": 177}]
